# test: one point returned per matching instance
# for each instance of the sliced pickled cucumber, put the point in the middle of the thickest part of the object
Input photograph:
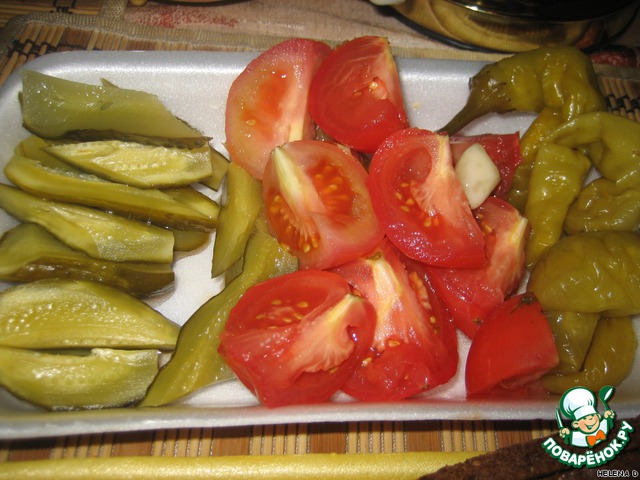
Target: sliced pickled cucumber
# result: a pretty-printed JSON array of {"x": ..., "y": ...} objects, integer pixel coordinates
[
  {"x": 197, "y": 201},
  {"x": 28, "y": 252},
  {"x": 57, "y": 313},
  {"x": 96, "y": 233},
  {"x": 237, "y": 219},
  {"x": 54, "y": 107},
  {"x": 189, "y": 240},
  {"x": 33, "y": 147},
  {"x": 196, "y": 363},
  {"x": 103, "y": 378},
  {"x": 219, "y": 168},
  {"x": 131, "y": 163},
  {"x": 58, "y": 181}
]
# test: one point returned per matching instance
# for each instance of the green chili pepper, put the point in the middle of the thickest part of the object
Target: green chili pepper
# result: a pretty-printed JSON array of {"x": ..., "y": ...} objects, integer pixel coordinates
[
  {"x": 608, "y": 361},
  {"x": 604, "y": 205},
  {"x": 559, "y": 83},
  {"x": 557, "y": 176},
  {"x": 612, "y": 143},
  {"x": 572, "y": 333},
  {"x": 596, "y": 272}
]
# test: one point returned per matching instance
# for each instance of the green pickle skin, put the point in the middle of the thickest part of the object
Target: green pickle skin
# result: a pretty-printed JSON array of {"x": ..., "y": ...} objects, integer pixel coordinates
[
  {"x": 54, "y": 107},
  {"x": 28, "y": 252},
  {"x": 195, "y": 362},
  {"x": 59, "y": 313},
  {"x": 59, "y": 381},
  {"x": 99, "y": 234},
  {"x": 237, "y": 218}
]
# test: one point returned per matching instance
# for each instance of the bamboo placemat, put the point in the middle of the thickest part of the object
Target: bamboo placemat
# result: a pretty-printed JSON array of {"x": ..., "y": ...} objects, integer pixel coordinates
[
  {"x": 36, "y": 34},
  {"x": 13, "y": 8}
]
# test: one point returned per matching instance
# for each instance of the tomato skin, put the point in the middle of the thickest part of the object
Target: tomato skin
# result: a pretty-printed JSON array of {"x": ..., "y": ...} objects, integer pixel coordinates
[
  {"x": 267, "y": 103},
  {"x": 504, "y": 150},
  {"x": 513, "y": 349},
  {"x": 421, "y": 203},
  {"x": 356, "y": 97},
  {"x": 415, "y": 346},
  {"x": 471, "y": 293},
  {"x": 318, "y": 204},
  {"x": 295, "y": 339}
]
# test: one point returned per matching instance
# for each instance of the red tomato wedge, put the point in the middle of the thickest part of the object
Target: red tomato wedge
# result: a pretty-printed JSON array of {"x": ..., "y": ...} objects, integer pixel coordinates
[
  {"x": 267, "y": 103},
  {"x": 471, "y": 293},
  {"x": 513, "y": 349},
  {"x": 504, "y": 150},
  {"x": 415, "y": 345},
  {"x": 356, "y": 97},
  {"x": 318, "y": 204},
  {"x": 295, "y": 339},
  {"x": 420, "y": 201}
]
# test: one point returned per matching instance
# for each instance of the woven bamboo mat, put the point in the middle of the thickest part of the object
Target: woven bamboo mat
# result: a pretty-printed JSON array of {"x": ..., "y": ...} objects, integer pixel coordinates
[
  {"x": 14, "y": 8},
  {"x": 36, "y": 34}
]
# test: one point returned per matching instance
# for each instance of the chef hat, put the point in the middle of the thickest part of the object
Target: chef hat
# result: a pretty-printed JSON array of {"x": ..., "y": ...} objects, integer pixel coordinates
[{"x": 578, "y": 402}]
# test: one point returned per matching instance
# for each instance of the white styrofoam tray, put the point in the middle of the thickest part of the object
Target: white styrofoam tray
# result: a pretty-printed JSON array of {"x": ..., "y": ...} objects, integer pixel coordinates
[{"x": 194, "y": 85}]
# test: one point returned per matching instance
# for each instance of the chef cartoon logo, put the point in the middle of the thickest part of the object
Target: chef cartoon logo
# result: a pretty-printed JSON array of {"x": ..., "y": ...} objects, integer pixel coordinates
[{"x": 587, "y": 429}]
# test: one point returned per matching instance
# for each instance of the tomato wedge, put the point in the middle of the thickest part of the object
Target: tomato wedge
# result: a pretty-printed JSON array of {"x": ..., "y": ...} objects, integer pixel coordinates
[
  {"x": 267, "y": 103},
  {"x": 295, "y": 339},
  {"x": 504, "y": 150},
  {"x": 420, "y": 201},
  {"x": 471, "y": 293},
  {"x": 415, "y": 346},
  {"x": 318, "y": 204},
  {"x": 355, "y": 96},
  {"x": 513, "y": 349}
]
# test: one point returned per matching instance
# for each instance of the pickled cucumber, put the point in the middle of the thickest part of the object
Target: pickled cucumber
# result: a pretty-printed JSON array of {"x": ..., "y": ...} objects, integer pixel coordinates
[
  {"x": 57, "y": 313},
  {"x": 193, "y": 199},
  {"x": 96, "y": 233},
  {"x": 189, "y": 240},
  {"x": 237, "y": 219},
  {"x": 219, "y": 169},
  {"x": 131, "y": 163},
  {"x": 57, "y": 181},
  {"x": 196, "y": 362},
  {"x": 28, "y": 252},
  {"x": 55, "y": 107},
  {"x": 102, "y": 378}
]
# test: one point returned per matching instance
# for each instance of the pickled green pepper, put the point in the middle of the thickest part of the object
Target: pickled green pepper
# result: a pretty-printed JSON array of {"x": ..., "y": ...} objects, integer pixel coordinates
[
  {"x": 557, "y": 176},
  {"x": 558, "y": 83},
  {"x": 595, "y": 272},
  {"x": 608, "y": 361}
]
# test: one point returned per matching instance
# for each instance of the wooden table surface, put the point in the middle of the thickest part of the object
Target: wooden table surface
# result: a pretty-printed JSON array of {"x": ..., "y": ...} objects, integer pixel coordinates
[{"x": 45, "y": 26}]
